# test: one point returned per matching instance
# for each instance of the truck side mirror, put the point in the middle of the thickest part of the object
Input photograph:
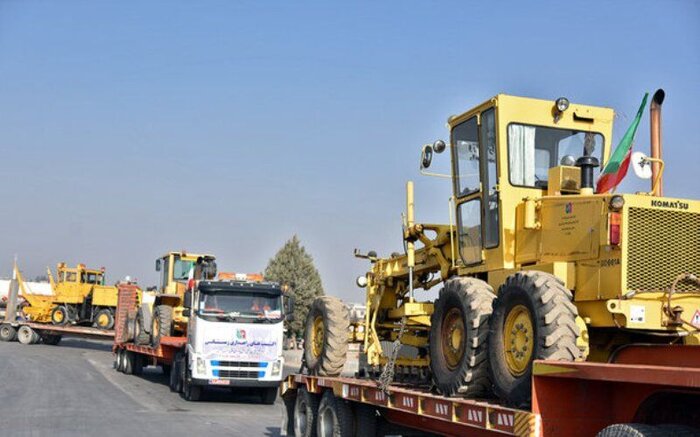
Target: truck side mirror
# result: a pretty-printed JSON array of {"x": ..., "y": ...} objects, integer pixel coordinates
[
  {"x": 289, "y": 308},
  {"x": 187, "y": 301}
]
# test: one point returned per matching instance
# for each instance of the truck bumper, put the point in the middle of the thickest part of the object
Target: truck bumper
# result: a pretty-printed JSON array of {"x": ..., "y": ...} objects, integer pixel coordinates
[{"x": 237, "y": 383}]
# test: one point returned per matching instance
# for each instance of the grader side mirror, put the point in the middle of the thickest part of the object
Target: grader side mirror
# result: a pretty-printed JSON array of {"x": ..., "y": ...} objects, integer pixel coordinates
[
  {"x": 158, "y": 265},
  {"x": 426, "y": 156}
]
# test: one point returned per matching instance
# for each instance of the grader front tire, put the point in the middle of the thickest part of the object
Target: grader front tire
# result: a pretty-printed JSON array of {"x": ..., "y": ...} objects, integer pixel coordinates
[
  {"x": 458, "y": 333},
  {"x": 326, "y": 336},
  {"x": 533, "y": 318}
]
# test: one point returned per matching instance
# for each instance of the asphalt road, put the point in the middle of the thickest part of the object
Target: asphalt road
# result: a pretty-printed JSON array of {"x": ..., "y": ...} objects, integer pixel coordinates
[{"x": 72, "y": 390}]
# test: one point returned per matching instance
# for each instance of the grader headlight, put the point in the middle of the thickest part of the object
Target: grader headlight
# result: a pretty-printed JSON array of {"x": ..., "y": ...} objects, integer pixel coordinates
[
  {"x": 617, "y": 202},
  {"x": 361, "y": 281}
]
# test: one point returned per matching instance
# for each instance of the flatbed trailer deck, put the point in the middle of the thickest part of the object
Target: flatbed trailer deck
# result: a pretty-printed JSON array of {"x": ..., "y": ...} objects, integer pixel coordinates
[{"x": 652, "y": 384}]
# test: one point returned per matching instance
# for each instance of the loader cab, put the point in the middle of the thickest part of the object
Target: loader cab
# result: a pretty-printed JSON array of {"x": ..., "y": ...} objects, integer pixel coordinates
[
  {"x": 175, "y": 268},
  {"x": 506, "y": 150}
]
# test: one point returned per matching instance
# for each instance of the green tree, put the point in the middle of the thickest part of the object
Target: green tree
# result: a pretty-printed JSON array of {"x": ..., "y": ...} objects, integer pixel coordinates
[{"x": 294, "y": 267}]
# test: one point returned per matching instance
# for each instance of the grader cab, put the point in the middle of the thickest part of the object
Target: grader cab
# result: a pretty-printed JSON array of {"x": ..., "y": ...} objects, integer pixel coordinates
[{"x": 535, "y": 264}]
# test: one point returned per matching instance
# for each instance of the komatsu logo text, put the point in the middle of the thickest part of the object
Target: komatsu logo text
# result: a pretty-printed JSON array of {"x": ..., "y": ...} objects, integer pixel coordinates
[{"x": 672, "y": 204}]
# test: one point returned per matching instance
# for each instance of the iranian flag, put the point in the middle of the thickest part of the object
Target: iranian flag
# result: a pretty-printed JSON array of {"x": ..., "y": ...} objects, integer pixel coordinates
[{"x": 616, "y": 168}]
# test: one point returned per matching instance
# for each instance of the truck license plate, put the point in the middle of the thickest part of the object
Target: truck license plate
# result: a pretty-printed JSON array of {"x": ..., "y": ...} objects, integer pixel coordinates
[{"x": 219, "y": 382}]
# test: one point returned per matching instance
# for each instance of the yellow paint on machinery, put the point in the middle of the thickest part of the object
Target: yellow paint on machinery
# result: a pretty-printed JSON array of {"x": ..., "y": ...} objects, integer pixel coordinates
[{"x": 519, "y": 206}]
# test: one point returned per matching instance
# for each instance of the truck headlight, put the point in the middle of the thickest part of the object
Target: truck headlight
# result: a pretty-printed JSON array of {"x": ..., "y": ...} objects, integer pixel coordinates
[
  {"x": 201, "y": 366},
  {"x": 276, "y": 368}
]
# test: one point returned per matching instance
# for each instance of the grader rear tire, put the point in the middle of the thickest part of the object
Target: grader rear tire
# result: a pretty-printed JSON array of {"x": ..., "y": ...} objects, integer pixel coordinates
[
  {"x": 459, "y": 327},
  {"x": 326, "y": 336},
  {"x": 533, "y": 318},
  {"x": 104, "y": 319},
  {"x": 59, "y": 315}
]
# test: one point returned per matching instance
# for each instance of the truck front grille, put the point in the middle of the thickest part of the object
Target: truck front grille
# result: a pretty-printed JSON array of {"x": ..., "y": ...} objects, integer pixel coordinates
[
  {"x": 237, "y": 374},
  {"x": 237, "y": 364},
  {"x": 661, "y": 244}
]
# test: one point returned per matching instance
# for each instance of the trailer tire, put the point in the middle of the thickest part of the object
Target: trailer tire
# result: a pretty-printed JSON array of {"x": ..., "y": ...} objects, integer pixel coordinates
[
  {"x": 51, "y": 339},
  {"x": 305, "y": 413},
  {"x": 119, "y": 360},
  {"x": 366, "y": 420},
  {"x": 535, "y": 311},
  {"x": 7, "y": 332},
  {"x": 26, "y": 335},
  {"x": 459, "y": 329},
  {"x": 326, "y": 336},
  {"x": 334, "y": 417},
  {"x": 632, "y": 430},
  {"x": 162, "y": 324},
  {"x": 137, "y": 364},
  {"x": 104, "y": 319},
  {"x": 128, "y": 362},
  {"x": 59, "y": 315}
]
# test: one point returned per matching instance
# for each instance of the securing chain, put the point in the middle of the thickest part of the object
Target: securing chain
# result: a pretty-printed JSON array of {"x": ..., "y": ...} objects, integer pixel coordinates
[{"x": 387, "y": 376}]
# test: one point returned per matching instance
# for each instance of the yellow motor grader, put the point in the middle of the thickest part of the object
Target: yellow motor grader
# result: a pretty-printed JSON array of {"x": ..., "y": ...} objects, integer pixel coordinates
[{"x": 535, "y": 263}]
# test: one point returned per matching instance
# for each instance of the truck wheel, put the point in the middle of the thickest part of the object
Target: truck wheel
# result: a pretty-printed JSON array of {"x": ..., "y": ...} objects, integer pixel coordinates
[
  {"x": 7, "y": 332},
  {"x": 268, "y": 395},
  {"x": 632, "y": 430},
  {"x": 59, "y": 315},
  {"x": 174, "y": 375},
  {"x": 162, "y": 325},
  {"x": 51, "y": 339},
  {"x": 191, "y": 392},
  {"x": 305, "y": 413},
  {"x": 167, "y": 369},
  {"x": 334, "y": 417},
  {"x": 104, "y": 319},
  {"x": 365, "y": 420},
  {"x": 459, "y": 328},
  {"x": 326, "y": 336},
  {"x": 533, "y": 318},
  {"x": 26, "y": 335}
]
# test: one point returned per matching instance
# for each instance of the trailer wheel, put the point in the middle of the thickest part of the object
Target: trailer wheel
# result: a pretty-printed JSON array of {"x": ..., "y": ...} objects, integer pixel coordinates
[
  {"x": 632, "y": 430},
  {"x": 26, "y": 335},
  {"x": 162, "y": 325},
  {"x": 326, "y": 336},
  {"x": 51, "y": 339},
  {"x": 459, "y": 328},
  {"x": 334, "y": 417},
  {"x": 104, "y": 319},
  {"x": 533, "y": 318},
  {"x": 119, "y": 360},
  {"x": 128, "y": 362},
  {"x": 366, "y": 422},
  {"x": 305, "y": 413},
  {"x": 268, "y": 395},
  {"x": 137, "y": 363},
  {"x": 7, "y": 332},
  {"x": 59, "y": 315}
]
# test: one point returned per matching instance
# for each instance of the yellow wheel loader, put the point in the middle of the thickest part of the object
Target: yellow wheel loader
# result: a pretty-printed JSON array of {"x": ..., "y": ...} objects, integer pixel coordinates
[{"x": 534, "y": 264}]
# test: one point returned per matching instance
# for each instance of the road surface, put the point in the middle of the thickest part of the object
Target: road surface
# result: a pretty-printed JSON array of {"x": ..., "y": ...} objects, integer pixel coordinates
[{"x": 72, "y": 390}]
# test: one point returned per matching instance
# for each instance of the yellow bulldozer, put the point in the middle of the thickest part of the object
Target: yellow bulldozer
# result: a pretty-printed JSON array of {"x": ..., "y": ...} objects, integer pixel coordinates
[
  {"x": 534, "y": 263},
  {"x": 79, "y": 296},
  {"x": 162, "y": 313}
]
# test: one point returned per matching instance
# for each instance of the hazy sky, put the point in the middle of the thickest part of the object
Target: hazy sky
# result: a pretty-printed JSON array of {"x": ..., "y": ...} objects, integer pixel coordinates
[{"x": 131, "y": 128}]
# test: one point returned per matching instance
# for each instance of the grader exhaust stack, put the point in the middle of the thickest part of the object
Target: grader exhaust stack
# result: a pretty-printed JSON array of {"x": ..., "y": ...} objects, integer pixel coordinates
[{"x": 656, "y": 149}]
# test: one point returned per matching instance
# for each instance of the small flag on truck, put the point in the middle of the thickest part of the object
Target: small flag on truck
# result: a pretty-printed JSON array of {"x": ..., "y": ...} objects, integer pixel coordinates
[{"x": 615, "y": 169}]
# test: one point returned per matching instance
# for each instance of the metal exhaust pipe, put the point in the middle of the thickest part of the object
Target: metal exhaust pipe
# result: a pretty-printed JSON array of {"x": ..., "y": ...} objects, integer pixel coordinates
[{"x": 655, "y": 126}]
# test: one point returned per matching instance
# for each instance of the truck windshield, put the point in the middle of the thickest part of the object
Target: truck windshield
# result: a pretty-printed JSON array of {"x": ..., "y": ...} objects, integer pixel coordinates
[
  {"x": 533, "y": 150},
  {"x": 240, "y": 304}
]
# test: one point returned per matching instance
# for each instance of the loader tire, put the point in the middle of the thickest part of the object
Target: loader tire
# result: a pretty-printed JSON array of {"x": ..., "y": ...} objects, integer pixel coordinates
[
  {"x": 533, "y": 318},
  {"x": 459, "y": 328},
  {"x": 305, "y": 413},
  {"x": 162, "y": 324},
  {"x": 7, "y": 332},
  {"x": 326, "y": 336},
  {"x": 59, "y": 315},
  {"x": 334, "y": 417},
  {"x": 142, "y": 326},
  {"x": 104, "y": 319},
  {"x": 632, "y": 430}
]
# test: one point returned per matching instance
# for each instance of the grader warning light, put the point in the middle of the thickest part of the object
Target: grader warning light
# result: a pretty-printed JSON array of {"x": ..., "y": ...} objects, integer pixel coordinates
[{"x": 532, "y": 265}]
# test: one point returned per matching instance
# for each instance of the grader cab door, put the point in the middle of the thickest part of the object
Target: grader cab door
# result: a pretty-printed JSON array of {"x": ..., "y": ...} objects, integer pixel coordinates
[{"x": 476, "y": 185}]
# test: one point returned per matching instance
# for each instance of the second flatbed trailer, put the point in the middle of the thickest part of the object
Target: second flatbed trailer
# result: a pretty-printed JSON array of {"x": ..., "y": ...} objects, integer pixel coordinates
[{"x": 649, "y": 390}]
